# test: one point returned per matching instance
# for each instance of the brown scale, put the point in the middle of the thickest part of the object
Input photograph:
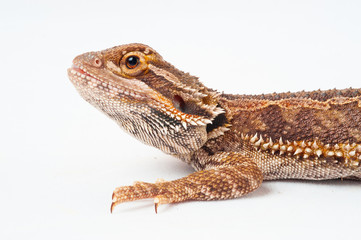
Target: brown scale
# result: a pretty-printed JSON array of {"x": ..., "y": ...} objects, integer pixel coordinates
[
  {"x": 318, "y": 95},
  {"x": 337, "y": 123}
]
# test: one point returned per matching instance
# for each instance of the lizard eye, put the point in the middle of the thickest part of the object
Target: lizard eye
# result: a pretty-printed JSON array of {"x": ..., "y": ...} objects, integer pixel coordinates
[
  {"x": 133, "y": 64},
  {"x": 132, "y": 61}
]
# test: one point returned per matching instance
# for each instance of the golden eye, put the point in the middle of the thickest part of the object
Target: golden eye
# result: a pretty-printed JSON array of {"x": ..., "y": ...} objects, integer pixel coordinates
[
  {"x": 132, "y": 61},
  {"x": 133, "y": 64}
]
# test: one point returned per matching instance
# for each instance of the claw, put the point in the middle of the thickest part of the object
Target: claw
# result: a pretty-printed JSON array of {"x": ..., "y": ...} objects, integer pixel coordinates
[
  {"x": 114, "y": 199},
  {"x": 156, "y": 207},
  {"x": 112, "y": 207},
  {"x": 156, "y": 204}
]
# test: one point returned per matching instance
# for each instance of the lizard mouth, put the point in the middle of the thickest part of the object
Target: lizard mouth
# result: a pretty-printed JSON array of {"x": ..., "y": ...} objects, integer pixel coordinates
[
  {"x": 80, "y": 70},
  {"x": 79, "y": 73},
  {"x": 79, "y": 76}
]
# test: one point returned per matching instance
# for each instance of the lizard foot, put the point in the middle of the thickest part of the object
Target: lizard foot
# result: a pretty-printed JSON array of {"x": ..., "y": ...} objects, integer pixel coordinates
[
  {"x": 161, "y": 191},
  {"x": 231, "y": 176},
  {"x": 140, "y": 190}
]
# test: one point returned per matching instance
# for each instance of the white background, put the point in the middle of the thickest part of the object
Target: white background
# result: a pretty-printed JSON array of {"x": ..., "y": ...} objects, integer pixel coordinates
[{"x": 60, "y": 159}]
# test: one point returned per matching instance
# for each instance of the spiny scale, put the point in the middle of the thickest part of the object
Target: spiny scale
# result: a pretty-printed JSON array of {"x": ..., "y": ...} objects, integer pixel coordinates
[{"x": 349, "y": 154}]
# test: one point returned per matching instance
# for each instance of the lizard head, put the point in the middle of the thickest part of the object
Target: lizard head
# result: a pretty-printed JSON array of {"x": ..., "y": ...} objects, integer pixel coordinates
[{"x": 148, "y": 97}]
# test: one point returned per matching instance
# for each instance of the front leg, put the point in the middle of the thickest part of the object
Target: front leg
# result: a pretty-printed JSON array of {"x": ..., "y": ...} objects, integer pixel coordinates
[{"x": 226, "y": 176}]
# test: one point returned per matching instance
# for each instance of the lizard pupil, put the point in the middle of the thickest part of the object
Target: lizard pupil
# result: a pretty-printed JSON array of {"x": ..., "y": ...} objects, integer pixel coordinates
[{"x": 132, "y": 62}]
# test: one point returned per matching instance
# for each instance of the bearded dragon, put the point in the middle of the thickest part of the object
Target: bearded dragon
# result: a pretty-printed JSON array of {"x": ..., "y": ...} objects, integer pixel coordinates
[{"x": 234, "y": 142}]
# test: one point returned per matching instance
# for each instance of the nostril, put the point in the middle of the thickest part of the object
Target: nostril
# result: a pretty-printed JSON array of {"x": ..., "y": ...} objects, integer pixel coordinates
[{"x": 97, "y": 62}]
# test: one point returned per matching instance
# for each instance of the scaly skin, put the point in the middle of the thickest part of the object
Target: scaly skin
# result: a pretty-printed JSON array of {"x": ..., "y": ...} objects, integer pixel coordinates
[{"x": 233, "y": 141}]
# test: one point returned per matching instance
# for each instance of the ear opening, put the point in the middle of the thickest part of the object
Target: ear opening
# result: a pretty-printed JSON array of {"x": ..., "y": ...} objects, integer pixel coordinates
[
  {"x": 219, "y": 121},
  {"x": 179, "y": 103}
]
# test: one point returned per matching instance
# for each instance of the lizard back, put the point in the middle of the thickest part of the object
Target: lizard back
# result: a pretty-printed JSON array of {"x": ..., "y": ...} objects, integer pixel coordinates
[{"x": 304, "y": 135}]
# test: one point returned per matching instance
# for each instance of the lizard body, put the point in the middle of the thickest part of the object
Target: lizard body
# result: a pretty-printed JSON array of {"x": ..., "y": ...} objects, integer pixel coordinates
[{"x": 233, "y": 141}]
